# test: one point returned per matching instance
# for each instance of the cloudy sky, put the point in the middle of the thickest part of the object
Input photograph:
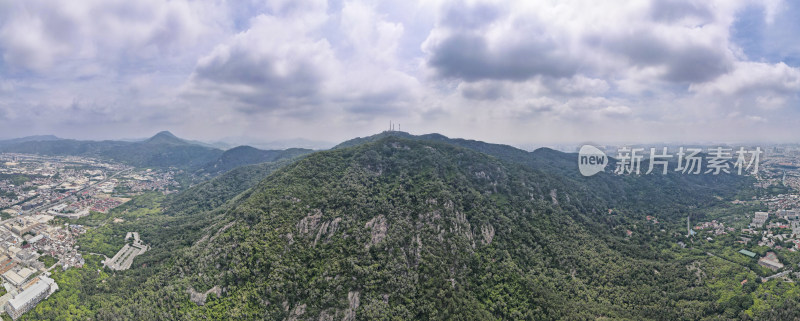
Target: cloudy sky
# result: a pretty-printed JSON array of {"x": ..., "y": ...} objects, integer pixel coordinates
[{"x": 514, "y": 72}]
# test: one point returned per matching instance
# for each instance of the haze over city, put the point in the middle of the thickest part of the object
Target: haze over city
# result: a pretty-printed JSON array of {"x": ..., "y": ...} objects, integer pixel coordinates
[{"x": 517, "y": 72}]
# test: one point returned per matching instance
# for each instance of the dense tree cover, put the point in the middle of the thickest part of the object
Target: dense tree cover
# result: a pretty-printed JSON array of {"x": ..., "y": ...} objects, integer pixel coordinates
[
  {"x": 419, "y": 228},
  {"x": 167, "y": 223},
  {"x": 48, "y": 260},
  {"x": 78, "y": 291},
  {"x": 163, "y": 150},
  {"x": 246, "y": 155},
  {"x": 8, "y": 194},
  {"x": 19, "y": 179}
]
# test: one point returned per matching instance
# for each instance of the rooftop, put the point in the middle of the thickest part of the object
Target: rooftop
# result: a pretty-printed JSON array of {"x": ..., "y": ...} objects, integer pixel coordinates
[
  {"x": 31, "y": 293},
  {"x": 748, "y": 253}
]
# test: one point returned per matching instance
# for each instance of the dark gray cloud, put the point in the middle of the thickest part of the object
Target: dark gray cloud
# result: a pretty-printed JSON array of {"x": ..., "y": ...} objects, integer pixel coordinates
[
  {"x": 37, "y": 35},
  {"x": 468, "y": 56},
  {"x": 697, "y": 64},
  {"x": 389, "y": 102},
  {"x": 683, "y": 62},
  {"x": 506, "y": 44},
  {"x": 465, "y": 45},
  {"x": 256, "y": 80},
  {"x": 485, "y": 91}
]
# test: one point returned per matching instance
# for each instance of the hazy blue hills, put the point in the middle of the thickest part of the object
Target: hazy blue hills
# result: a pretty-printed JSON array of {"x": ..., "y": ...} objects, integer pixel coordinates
[
  {"x": 164, "y": 149},
  {"x": 64, "y": 147},
  {"x": 28, "y": 139},
  {"x": 161, "y": 150}
]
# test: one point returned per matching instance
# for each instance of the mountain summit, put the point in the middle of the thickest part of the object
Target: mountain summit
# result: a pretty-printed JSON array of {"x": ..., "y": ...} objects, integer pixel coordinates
[{"x": 165, "y": 137}]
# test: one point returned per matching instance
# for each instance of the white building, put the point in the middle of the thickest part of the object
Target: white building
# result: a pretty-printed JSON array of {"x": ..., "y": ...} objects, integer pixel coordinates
[
  {"x": 789, "y": 215},
  {"x": 28, "y": 299},
  {"x": 759, "y": 219}
]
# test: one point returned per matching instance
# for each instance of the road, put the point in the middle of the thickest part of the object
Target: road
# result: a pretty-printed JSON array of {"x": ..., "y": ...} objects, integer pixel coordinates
[{"x": 54, "y": 265}]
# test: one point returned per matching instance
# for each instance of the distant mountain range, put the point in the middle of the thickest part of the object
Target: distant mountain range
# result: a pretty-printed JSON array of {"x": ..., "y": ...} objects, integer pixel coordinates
[
  {"x": 37, "y": 138},
  {"x": 162, "y": 150}
]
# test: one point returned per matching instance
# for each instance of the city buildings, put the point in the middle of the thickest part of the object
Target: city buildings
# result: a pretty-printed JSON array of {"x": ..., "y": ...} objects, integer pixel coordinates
[
  {"x": 759, "y": 219},
  {"x": 31, "y": 296}
]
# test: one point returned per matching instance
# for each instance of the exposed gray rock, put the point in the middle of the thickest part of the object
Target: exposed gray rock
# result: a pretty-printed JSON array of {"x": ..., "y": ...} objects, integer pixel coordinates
[
  {"x": 488, "y": 233},
  {"x": 200, "y": 298},
  {"x": 354, "y": 302},
  {"x": 309, "y": 223},
  {"x": 378, "y": 229}
]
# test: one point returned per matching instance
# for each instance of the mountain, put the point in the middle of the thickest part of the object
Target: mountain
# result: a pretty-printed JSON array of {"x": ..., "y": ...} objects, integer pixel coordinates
[
  {"x": 505, "y": 152},
  {"x": 262, "y": 143},
  {"x": 215, "y": 192},
  {"x": 246, "y": 155},
  {"x": 643, "y": 192},
  {"x": 162, "y": 150},
  {"x": 165, "y": 137},
  {"x": 218, "y": 145},
  {"x": 412, "y": 228},
  {"x": 64, "y": 147},
  {"x": 362, "y": 140},
  {"x": 36, "y": 138}
]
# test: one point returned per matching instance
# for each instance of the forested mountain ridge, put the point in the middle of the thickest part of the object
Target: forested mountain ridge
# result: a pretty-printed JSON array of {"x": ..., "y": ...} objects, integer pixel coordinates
[
  {"x": 162, "y": 150},
  {"x": 639, "y": 192},
  {"x": 401, "y": 228},
  {"x": 245, "y": 155}
]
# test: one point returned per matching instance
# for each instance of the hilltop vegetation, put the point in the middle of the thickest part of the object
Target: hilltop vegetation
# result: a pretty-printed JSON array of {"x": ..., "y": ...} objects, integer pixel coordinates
[
  {"x": 246, "y": 155},
  {"x": 162, "y": 150},
  {"x": 415, "y": 228},
  {"x": 168, "y": 223},
  {"x": 423, "y": 227}
]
